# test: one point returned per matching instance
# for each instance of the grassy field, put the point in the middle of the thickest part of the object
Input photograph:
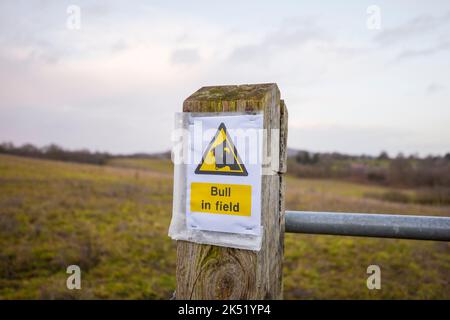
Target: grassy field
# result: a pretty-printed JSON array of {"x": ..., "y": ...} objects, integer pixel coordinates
[{"x": 112, "y": 221}]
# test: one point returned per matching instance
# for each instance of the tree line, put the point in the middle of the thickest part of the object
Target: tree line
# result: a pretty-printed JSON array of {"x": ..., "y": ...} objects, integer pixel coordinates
[
  {"x": 401, "y": 170},
  {"x": 55, "y": 152}
]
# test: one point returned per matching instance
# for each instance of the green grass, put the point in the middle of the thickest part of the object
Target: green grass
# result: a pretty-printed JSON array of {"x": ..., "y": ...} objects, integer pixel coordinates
[
  {"x": 159, "y": 165},
  {"x": 112, "y": 221},
  {"x": 331, "y": 267}
]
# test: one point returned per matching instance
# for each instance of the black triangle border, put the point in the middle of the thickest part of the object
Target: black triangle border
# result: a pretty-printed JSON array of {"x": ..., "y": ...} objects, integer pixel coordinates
[{"x": 223, "y": 173}]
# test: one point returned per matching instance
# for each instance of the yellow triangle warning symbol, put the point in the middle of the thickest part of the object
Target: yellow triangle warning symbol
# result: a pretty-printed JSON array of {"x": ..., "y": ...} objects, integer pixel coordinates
[{"x": 221, "y": 156}]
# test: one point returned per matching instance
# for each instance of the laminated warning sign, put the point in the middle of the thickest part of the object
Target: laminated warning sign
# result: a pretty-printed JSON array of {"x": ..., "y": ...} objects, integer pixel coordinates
[{"x": 223, "y": 180}]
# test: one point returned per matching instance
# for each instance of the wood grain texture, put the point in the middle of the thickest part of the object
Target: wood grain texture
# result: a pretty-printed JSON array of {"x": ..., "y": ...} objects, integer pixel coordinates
[
  {"x": 212, "y": 272},
  {"x": 283, "y": 136}
]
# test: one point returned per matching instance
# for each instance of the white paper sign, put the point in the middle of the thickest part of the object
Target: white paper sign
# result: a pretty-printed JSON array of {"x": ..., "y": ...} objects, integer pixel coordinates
[{"x": 224, "y": 176}]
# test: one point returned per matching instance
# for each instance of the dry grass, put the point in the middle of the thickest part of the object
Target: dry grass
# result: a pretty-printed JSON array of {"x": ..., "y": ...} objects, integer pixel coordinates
[
  {"x": 113, "y": 220},
  {"x": 332, "y": 267}
]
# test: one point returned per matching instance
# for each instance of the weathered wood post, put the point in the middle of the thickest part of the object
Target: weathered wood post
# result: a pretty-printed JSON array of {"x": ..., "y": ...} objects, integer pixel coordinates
[{"x": 212, "y": 272}]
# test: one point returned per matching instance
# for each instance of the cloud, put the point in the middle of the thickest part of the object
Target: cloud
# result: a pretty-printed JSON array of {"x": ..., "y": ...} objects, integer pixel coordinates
[
  {"x": 422, "y": 36},
  {"x": 119, "y": 45},
  {"x": 291, "y": 35},
  {"x": 433, "y": 88},
  {"x": 423, "y": 52},
  {"x": 351, "y": 138},
  {"x": 418, "y": 26},
  {"x": 120, "y": 74},
  {"x": 185, "y": 56}
]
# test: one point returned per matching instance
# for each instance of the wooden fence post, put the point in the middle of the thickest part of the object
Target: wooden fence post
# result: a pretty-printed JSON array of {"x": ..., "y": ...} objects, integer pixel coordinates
[{"x": 212, "y": 272}]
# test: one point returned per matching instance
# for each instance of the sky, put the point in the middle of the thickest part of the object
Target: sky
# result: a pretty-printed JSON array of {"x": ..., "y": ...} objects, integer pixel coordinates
[{"x": 357, "y": 76}]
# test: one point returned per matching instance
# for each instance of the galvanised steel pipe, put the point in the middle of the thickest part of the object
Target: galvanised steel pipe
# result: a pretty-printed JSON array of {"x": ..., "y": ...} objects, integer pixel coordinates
[{"x": 369, "y": 225}]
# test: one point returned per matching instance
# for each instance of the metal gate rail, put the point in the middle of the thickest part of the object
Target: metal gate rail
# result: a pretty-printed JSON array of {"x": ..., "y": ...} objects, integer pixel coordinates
[{"x": 369, "y": 225}]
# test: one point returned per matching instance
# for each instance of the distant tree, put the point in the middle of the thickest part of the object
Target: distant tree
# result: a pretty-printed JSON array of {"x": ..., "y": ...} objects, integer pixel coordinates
[
  {"x": 307, "y": 158},
  {"x": 303, "y": 157},
  {"x": 383, "y": 156},
  {"x": 55, "y": 152},
  {"x": 400, "y": 170},
  {"x": 29, "y": 149},
  {"x": 400, "y": 155},
  {"x": 52, "y": 148},
  {"x": 6, "y": 147},
  {"x": 414, "y": 156},
  {"x": 315, "y": 158}
]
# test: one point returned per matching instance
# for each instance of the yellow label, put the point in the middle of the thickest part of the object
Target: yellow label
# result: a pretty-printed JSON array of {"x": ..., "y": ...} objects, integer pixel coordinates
[{"x": 229, "y": 199}]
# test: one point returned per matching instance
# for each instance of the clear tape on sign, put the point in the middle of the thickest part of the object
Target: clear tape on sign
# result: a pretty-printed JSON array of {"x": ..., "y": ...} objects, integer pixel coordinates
[{"x": 181, "y": 157}]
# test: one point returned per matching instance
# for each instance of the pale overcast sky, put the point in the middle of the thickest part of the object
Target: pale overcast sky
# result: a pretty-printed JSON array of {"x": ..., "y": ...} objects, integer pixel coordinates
[{"x": 114, "y": 84}]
